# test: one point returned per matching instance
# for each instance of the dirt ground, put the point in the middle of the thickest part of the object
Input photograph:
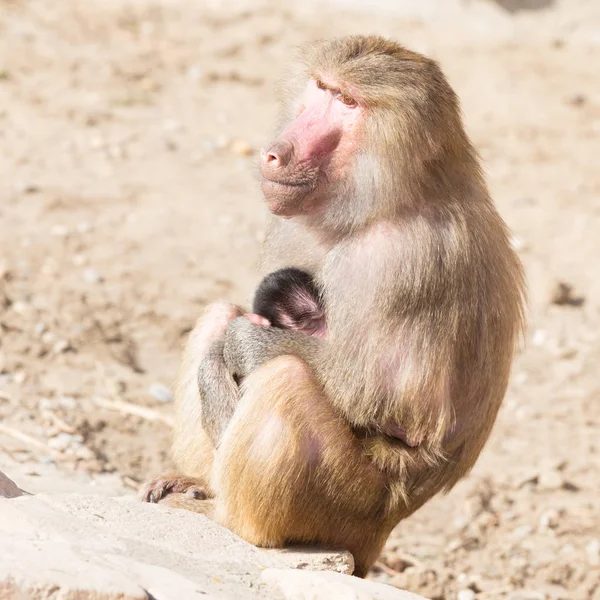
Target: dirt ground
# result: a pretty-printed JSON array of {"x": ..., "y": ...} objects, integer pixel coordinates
[{"x": 129, "y": 200}]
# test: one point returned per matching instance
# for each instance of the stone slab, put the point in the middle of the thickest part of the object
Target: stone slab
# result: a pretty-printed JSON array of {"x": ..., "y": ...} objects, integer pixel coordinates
[{"x": 84, "y": 547}]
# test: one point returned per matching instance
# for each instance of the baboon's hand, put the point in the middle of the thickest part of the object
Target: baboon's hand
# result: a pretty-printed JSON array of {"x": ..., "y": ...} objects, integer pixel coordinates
[{"x": 171, "y": 483}]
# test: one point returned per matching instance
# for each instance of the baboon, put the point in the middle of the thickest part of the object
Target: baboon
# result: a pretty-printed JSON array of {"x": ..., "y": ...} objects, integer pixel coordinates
[
  {"x": 376, "y": 191},
  {"x": 289, "y": 299}
]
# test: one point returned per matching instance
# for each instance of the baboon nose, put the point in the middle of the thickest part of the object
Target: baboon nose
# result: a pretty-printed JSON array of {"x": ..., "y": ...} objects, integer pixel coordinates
[{"x": 278, "y": 155}]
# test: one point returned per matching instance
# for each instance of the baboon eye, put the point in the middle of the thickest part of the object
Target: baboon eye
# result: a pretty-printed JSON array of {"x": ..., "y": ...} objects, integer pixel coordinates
[{"x": 347, "y": 100}]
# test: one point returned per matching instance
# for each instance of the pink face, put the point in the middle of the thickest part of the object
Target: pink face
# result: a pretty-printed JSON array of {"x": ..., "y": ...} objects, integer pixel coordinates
[{"x": 312, "y": 152}]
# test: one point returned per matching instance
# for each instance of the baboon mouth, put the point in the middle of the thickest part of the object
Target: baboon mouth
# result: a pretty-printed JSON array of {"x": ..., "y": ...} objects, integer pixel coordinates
[
  {"x": 286, "y": 197},
  {"x": 306, "y": 184},
  {"x": 287, "y": 191}
]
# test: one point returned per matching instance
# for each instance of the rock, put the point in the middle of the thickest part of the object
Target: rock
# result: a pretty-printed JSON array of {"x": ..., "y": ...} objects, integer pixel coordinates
[
  {"x": 527, "y": 595},
  {"x": 554, "y": 592},
  {"x": 8, "y": 489},
  {"x": 90, "y": 547},
  {"x": 315, "y": 559},
  {"x": 313, "y": 585},
  {"x": 51, "y": 476},
  {"x": 160, "y": 392},
  {"x": 466, "y": 595}
]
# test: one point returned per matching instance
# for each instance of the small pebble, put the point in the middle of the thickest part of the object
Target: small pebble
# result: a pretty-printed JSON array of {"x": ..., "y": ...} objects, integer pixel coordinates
[
  {"x": 225, "y": 219},
  {"x": 171, "y": 126},
  {"x": 241, "y": 148},
  {"x": 91, "y": 275},
  {"x": 115, "y": 151},
  {"x": 555, "y": 592},
  {"x": 567, "y": 549},
  {"x": 522, "y": 532},
  {"x": 540, "y": 337},
  {"x": 50, "y": 267},
  {"x": 592, "y": 551},
  {"x": 195, "y": 72},
  {"x": 26, "y": 187},
  {"x": 67, "y": 402},
  {"x": 48, "y": 338},
  {"x": 20, "y": 307},
  {"x": 563, "y": 295},
  {"x": 64, "y": 441},
  {"x": 59, "y": 231},
  {"x": 97, "y": 142},
  {"x": 466, "y": 595},
  {"x": 84, "y": 453},
  {"x": 577, "y": 100},
  {"x": 521, "y": 377},
  {"x": 60, "y": 346},
  {"x": 549, "y": 519},
  {"x": 523, "y": 413},
  {"x": 39, "y": 329},
  {"x": 149, "y": 84},
  {"x": 567, "y": 353},
  {"x": 550, "y": 480},
  {"x": 160, "y": 392},
  {"x": 147, "y": 28},
  {"x": 222, "y": 142},
  {"x": 45, "y": 404}
]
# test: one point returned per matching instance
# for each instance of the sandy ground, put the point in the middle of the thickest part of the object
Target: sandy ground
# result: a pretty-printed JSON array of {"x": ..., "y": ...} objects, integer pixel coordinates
[{"x": 129, "y": 200}]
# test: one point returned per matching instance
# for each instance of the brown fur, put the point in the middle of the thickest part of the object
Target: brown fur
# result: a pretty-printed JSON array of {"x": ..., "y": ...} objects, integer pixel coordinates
[{"x": 423, "y": 298}]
